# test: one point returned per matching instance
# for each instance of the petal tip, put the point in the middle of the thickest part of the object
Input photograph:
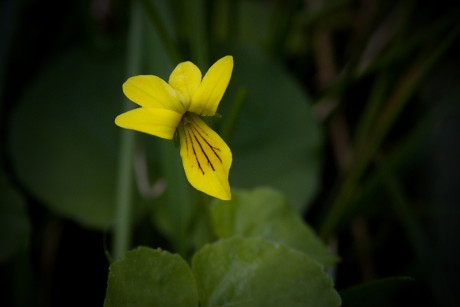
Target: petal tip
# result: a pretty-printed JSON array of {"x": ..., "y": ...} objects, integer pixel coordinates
[
  {"x": 228, "y": 59},
  {"x": 226, "y": 197},
  {"x": 117, "y": 121},
  {"x": 222, "y": 195}
]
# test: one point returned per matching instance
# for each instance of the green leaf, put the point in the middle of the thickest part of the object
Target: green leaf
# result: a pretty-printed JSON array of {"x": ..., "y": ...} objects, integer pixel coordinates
[
  {"x": 148, "y": 277},
  {"x": 264, "y": 212},
  {"x": 63, "y": 138},
  {"x": 254, "y": 272},
  {"x": 14, "y": 221},
  {"x": 276, "y": 141}
]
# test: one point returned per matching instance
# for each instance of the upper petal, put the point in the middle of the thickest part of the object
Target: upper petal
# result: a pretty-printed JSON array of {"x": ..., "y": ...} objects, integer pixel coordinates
[
  {"x": 208, "y": 95},
  {"x": 205, "y": 157},
  {"x": 158, "y": 122},
  {"x": 152, "y": 92},
  {"x": 185, "y": 79}
]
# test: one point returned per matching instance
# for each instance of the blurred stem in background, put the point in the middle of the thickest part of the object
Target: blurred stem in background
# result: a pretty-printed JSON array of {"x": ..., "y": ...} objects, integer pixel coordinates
[
  {"x": 224, "y": 19},
  {"x": 228, "y": 125},
  {"x": 166, "y": 40},
  {"x": 196, "y": 25},
  {"x": 388, "y": 115},
  {"x": 124, "y": 192}
]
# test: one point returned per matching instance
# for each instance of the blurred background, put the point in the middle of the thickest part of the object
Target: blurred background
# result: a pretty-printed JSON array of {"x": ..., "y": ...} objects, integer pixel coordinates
[{"x": 349, "y": 107}]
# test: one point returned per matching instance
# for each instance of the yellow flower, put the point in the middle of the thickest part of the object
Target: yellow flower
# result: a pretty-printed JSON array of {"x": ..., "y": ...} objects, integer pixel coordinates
[{"x": 165, "y": 108}]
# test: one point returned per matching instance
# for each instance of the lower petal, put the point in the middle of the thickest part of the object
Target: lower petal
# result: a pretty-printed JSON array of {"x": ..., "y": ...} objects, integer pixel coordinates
[
  {"x": 206, "y": 157},
  {"x": 157, "y": 122}
]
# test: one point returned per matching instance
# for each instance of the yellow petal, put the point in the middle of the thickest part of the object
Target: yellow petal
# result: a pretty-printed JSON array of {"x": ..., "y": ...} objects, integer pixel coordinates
[
  {"x": 205, "y": 157},
  {"x": 152, "y": 92},
  {"x": 208, "y": 95},
  {"x": 185, "y": 79},
  {"x": 158, "y": 122}
]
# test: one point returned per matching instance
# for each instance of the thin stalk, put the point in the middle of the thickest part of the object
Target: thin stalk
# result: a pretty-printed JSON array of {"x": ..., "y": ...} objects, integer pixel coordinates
[
  {"x": 228, "y": 126},
  {"x": 402, "y": 48},
  {"x": 124, "y": 192},
  {"x": 221, "y": 20},
  {"x": 196, "y": 23},
  {"x": 178, "y": 198},
  {"x": 224, "y": 18},
  {"x": 165, "y": 37},
  {"x": 233, "y": 21},
  {"x": 371, "y": 110},
  {"x": 394, "y": 105},
  {"x": 401, "y": 154}
]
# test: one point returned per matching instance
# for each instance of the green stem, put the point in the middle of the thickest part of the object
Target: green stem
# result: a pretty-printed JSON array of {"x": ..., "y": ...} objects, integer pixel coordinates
[
  {"x": 394, "y": 105},
  {"x": 404, "y": 47},
  {"x": 220, "y": 20},
  {"x": 124, "y": 192},
  {"x": 371, "y": 111},
  {"x": 165, "y": 37},
  {"x": 228, "y": 126},
  {"x": 196, "y": 15},
  {"x": 225, "y": 21},
  {"x": 178, "y": 198}
]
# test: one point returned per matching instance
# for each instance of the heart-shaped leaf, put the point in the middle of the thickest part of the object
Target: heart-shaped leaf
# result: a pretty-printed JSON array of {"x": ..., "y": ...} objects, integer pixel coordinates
[
  {"x": 148, "y": 277},
  {"x": 254, "y": 272},
  {"x": 264, "y": 213},
  {"x": 63, "y": 140}
]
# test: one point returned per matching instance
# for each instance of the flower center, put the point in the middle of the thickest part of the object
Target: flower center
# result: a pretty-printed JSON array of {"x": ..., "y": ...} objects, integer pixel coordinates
[{"x": 187, "y": 118}]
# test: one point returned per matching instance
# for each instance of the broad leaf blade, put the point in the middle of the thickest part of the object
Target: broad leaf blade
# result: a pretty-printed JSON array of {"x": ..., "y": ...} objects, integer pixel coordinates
[
  {"x": 254, "y": 272},
  {"x": 63, "y": 140},
  {"x": 147, "y": 277},
  {"x": 264, "y": 212}
]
